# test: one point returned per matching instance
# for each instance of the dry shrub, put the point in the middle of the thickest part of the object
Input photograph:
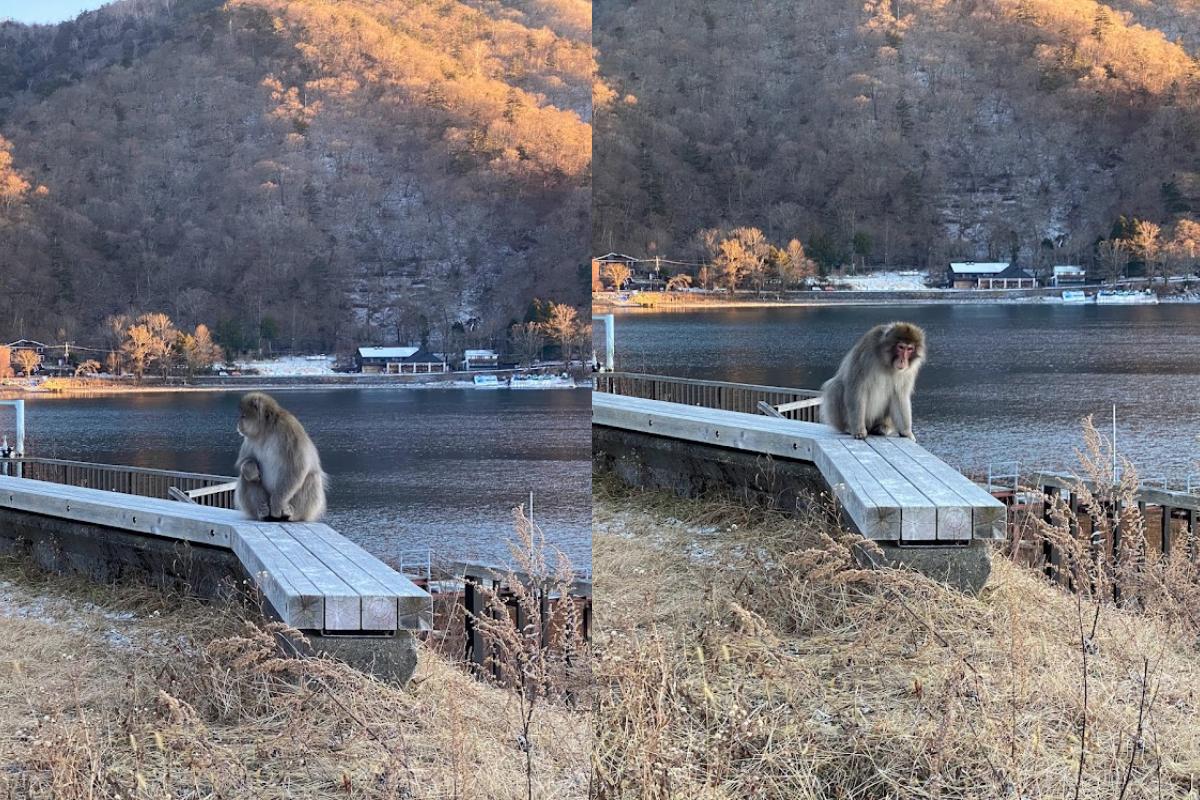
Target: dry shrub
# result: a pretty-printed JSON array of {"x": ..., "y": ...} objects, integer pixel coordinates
[
  {"x": 194, "y": 703},
  {"x": 540, "y": 652},
  {"x": 741, "y": 654}
]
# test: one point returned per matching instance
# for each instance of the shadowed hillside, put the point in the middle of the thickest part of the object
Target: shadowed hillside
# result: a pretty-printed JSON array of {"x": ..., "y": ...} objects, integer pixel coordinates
[
  {"x": 307, "y": 173},
  {"x": 896, "y": 132}
]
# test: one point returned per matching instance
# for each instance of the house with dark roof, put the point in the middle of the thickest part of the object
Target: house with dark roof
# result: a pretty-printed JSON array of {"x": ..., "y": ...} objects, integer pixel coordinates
[
  {"x": 398, "y": 360},
  {"x": 989, "y": 275}
]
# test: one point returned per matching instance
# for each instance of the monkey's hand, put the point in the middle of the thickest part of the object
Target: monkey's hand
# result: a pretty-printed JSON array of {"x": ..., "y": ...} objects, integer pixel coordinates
[
  {"x": 250, "y": 470},
  {"x": 861, "y": 433},
  {"x": 281, "y": 510},
  {"x": 909, "y": 435}
]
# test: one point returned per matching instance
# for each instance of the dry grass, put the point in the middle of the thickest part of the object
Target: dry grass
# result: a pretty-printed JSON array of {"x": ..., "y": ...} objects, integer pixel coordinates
[
  {"x": 744, "y": 655},
  {"x": 178, "y": 700}
]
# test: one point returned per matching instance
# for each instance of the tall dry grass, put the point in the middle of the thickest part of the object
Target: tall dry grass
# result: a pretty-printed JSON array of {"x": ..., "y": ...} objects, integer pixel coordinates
[
  {"x": 123, "y": 693},
  {"x": 743, "y": 654}
]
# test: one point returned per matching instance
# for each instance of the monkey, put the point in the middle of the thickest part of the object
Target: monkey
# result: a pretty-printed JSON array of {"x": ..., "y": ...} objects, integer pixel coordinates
[
  {"x": 279, "y": 470},
  {"x": 872, "y": 390}
]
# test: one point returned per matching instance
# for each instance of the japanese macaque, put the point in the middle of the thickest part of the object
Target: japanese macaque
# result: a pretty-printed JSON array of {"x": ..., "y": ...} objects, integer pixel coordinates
[
  {"x": 872, "y": 390},
  {"x": 279, "y": 471}
]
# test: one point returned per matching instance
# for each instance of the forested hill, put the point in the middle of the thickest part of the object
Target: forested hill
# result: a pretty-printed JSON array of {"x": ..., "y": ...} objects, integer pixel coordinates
[
  {"x": 896, "y": 131},
  {"x": 308, "y": 172}
]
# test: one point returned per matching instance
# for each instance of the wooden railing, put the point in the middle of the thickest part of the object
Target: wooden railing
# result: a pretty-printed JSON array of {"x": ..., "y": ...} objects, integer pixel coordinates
[
  {"x": 165, "y": 484},
  {"x": 795, "y": 404}
]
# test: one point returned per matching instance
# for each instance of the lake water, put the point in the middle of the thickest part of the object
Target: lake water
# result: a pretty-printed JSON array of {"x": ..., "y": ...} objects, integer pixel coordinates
[
  {"x": 409, "y": 469},
  {"x": 1001, "y": 383}
]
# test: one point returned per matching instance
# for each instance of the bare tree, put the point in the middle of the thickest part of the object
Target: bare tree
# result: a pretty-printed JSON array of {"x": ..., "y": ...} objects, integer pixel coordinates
[
  {"x": 528, "y": 341},
  {"x": 617, "y": 274},
  {"x": 87, "y": 368},
  {"x": 138, "y": 349},
  {"x": 27, "y": 360},
  {"x": 679, "y": 282},
  {"x": 1112, "y": 256},
  {"x": 1145, "y": 244},
  {"x": 200, "y": 353},
  {"x": 561, "y": 327},
  {"x": 794, "y": 265}
]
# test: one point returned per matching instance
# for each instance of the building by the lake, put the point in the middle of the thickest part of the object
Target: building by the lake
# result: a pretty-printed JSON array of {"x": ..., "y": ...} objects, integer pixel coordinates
[
  {"x": 1068, "y": 275},
  {"x": 398, "y": 360},
  {"x": 989, "y": 275}
]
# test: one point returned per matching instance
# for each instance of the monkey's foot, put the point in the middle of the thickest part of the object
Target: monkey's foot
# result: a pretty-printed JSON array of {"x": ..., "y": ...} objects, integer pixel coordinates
[{"x": 860, "y": 434}]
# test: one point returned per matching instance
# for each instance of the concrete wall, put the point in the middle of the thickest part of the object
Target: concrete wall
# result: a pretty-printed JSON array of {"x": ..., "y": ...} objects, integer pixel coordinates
[
  {"x": 110, "y": 555},
  {"x": 690, "y": 469}
]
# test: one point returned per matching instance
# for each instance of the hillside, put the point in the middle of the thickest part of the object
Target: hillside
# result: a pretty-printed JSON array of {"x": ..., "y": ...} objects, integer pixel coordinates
[
  {"x": 302, "y": 173},
  {"x": 898, "y": 133}
]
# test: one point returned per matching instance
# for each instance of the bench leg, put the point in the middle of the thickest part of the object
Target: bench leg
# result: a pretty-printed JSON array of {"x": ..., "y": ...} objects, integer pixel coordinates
[
  {"x": 964, "y": 567},
  {"x": 389, "y": 658}
]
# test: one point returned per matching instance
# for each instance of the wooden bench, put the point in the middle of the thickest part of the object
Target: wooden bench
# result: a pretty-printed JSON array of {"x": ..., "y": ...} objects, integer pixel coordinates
[
  {"x": 314, "y": 579},
  {"x": 892, "y": 489}
]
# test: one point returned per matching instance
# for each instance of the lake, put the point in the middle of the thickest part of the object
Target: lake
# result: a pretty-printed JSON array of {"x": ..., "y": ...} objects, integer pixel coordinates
[
  {"x": 409, "y": 469},
  {"x": 1001, "y": 383}
]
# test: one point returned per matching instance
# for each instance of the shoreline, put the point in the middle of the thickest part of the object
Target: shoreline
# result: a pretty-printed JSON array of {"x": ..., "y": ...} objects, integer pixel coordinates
[
  {"x": 256, "y": 384},
  {"x": 601, "y": 305}
]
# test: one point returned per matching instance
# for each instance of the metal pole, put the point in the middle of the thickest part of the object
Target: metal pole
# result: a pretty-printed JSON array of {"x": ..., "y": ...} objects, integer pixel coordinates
[
  {"x": 1114, "y": 444},
  {"x": 610, "y": 341},
  {"x": 20, "y": 406}
]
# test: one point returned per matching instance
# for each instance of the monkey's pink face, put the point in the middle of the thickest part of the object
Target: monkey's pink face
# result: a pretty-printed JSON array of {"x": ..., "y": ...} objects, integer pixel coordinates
[
  {"x": 247, "y": 425},
  {"x": 903, "y": 354}
]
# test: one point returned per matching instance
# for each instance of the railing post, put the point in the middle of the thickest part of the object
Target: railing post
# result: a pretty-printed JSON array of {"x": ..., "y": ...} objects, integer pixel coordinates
[
  {"x": 1048, "y": 495},
  {"x": 473, "y": 609},
  {"x": 1167, "y": 513}
]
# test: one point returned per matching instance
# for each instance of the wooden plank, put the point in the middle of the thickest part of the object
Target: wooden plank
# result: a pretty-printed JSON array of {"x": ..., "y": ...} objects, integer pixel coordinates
[
  {"x": 123, "y": 499},
  {"x": 918, "y": 514},
  {"x": 988, "y": 514},
  {"x": 178, "y": 495},
  {"x": 867, "y": 503},
  {"x": 753, "y": 432},
  {"x": 769, "y": 410},
  {"x": 294, "y": 597},
  {"x": 954, "y": 514},
  {"x": 143, "y": 515},
  {"x": 378, "y": 603},
  {"x": 413, "y": 608},
  {"x": 343, "y": 605},
  {"x": 811, "y": 402}
]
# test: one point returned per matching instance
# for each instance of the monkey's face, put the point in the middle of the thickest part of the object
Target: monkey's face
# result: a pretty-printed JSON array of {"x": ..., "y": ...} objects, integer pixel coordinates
[
  {"x": 250, "y": 416},
  {"x": 903, "y": 354}
]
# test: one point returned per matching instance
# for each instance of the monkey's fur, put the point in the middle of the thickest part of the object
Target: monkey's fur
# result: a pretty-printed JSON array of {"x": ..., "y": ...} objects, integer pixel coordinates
[
  {"x": 872, "y": 390},
  {"x": 279, "y": 471}
]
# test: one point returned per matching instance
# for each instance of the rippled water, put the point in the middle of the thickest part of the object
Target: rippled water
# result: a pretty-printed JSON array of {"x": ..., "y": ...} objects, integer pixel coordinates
[
  {"x": 1002, "y": 382},
  {"x": 410, "y": 469}
]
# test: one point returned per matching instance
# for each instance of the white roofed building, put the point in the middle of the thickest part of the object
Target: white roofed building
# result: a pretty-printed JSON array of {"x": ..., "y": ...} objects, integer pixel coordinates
[
  {"x": 1068, "y": 275},
  {"x": 398, "y": 360},
  {"x": 988, "y": 275},
  {"x": 480, "y": 359}
]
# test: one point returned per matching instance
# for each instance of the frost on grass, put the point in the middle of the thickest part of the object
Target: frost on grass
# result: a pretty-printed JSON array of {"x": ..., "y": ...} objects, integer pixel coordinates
[
  {"x": 108, "y": 693},
  {"x": 775, "y": 668}
]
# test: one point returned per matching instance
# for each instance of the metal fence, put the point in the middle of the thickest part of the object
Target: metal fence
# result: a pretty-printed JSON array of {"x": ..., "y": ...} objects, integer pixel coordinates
[
  {"x": 795, "y": 404},
  {"x": 207, "y": 490}
]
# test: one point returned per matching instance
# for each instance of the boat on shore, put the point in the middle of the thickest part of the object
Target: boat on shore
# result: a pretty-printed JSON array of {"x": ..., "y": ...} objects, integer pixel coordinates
[
  {"x": 540, "y": 381},
  {"x": 1073, "y": 297},
  {"x": 487, "y": 381},
  {"x": 1126, "y": 298}
]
